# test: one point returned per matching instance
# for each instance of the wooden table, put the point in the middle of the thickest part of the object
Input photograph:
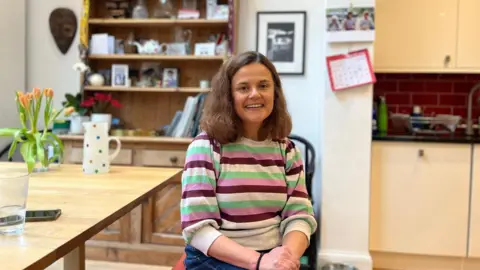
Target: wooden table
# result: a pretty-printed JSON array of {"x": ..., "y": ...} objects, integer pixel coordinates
[{"x": 89, "y": 203}]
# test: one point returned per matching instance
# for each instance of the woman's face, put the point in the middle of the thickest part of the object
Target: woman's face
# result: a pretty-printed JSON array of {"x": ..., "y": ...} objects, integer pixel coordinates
[{"x": 253, "y": 94}]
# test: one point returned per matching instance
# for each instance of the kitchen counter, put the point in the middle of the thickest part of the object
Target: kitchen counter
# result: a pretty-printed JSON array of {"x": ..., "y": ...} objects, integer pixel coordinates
[{"x": 462, "y": 139}]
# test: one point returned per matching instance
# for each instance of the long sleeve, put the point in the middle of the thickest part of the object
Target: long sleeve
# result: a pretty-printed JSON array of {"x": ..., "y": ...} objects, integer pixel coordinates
[
  {"x": 199, "y": 210},
  {"x": 297, "y": 215}
]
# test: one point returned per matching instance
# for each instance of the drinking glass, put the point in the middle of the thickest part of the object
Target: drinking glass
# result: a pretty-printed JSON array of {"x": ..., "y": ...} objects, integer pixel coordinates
[{"x": 13, "y": 198}]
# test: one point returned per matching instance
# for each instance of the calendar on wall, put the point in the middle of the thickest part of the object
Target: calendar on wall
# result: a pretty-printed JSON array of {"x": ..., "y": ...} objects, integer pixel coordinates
[{"x": 350, "y": 70}]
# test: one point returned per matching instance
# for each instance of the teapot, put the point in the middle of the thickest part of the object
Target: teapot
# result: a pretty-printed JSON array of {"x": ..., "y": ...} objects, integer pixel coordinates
[
  {"x": 96, "y": 146},
  {"x": 150, "y": 47}
]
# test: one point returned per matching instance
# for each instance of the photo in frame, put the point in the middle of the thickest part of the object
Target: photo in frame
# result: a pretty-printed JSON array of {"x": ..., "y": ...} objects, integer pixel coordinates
[
  {"x": 120, "y": 75},
  {"x": 353, "y": 24},
  {"x": 281, "y": 37},
  {"x": 170, "y": 78}
]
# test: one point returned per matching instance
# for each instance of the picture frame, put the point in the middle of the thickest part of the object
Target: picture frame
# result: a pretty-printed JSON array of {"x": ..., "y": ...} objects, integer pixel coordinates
[
  {"x": 281, "y": 37},
  {"x": 119, "y": 76},
  {"x": 170, "y": 78},
  {"x": 352, "y": 24}
]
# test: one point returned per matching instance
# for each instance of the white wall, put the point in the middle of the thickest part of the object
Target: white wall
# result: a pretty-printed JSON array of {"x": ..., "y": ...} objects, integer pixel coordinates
[
  {"x": 46, "y": 65},
  {"x": 339, "y": 126},
  {"x": 346, "y": 155},
  {"x": 303, "y": 93},
  {"x": 12, "y": 61}
]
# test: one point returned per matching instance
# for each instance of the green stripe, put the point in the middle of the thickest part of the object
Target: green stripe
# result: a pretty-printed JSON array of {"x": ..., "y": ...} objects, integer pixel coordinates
[
  {"x": 298, "y": 207},
  {"x": 199, "y": 150},
  {"x": 262, "y": 175},
  {"x": 252, "y": 149},
  {"x": 187, "y": 210},
  {"x": 295, "y": 158},
  {"x": 245, "y": 204},
  {"x": 197, "y": 179}
]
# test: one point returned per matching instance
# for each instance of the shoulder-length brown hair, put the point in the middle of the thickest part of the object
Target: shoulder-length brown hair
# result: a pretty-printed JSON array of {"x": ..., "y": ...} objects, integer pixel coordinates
[{"x": 219, "y": 119}]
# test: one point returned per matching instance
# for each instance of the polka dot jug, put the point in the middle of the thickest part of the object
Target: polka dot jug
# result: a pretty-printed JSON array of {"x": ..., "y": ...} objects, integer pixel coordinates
[{"x": 96, "y": 152}]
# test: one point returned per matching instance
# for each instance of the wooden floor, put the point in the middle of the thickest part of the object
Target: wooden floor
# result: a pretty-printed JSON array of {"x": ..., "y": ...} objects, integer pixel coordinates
[{"x": 100, "y": 265}]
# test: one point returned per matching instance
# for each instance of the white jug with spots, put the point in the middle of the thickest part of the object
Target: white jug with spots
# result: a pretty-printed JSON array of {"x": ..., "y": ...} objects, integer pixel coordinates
[{"x": 96, "y": 157}]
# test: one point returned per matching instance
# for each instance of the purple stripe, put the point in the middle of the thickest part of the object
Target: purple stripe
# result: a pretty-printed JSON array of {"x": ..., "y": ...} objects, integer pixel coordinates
[
  {"x": 199, "y": 164},
  {"x": 249, "y": 189},
  {"x": 298, "y": 188},
  {"x": 248, "y": 218},
  {"x": 198, "y": 186},
  {"x": 250, "y": 210},
  {"x": 243, "y": 154},
  {"x": 295, "y": 170},
  {"x": 251, "y": 182},
  {"x": 195, "y": 157},
  {"x": 290, "y": 213},
  {"x": 199, "y": 216},
  {"x": 198, "y": 193}
]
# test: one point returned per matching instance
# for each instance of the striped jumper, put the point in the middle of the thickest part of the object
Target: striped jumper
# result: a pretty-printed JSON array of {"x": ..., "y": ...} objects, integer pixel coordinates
[{"x": 250, "y": 191}]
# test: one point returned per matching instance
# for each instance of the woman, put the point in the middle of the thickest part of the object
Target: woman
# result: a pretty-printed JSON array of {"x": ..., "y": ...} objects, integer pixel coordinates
[{"x": 244, "y": 201}]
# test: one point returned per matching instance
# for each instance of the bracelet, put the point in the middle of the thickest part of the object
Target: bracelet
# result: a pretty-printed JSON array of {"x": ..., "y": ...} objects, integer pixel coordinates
[{"x": 259, "y": 259}]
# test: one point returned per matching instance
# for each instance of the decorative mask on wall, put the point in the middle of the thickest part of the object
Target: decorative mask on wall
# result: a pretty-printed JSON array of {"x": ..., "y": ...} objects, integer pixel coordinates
[{"x": 63, "y": 26}]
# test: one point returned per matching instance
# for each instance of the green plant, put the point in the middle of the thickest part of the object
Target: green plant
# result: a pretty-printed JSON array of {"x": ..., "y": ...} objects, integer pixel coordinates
[
  {"x": 33, "y": 141},
  {"x": 75, "y": 101}
]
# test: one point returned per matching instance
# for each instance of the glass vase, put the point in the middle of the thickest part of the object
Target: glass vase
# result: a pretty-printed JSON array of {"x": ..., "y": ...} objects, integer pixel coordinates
[{"x": 13, "y": 199}]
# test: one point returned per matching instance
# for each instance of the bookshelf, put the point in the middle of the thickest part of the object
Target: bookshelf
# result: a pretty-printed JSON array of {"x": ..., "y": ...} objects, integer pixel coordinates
[{"x": 151, "y": 233}]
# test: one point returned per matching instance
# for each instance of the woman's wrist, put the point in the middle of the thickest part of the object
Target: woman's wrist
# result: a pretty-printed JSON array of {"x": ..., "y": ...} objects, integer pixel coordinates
[{"x": 254, "y": 260}]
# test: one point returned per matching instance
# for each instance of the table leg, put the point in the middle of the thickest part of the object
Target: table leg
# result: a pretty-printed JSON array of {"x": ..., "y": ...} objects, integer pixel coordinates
[{"x": 75, "y": 260}]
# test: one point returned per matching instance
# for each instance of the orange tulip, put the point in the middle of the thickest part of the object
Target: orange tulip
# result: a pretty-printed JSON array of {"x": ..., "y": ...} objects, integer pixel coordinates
[
  {"x": 48, "y": 92},
  {"x": 36, "y": 93},
  {"x": 24, "y": 101},
  {"x": 69, "y": 111},
  {"x": 29, "y": 96}
]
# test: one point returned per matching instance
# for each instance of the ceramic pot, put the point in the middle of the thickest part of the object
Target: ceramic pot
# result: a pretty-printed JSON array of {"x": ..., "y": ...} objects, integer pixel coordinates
[
  {"x": 102, "y": 117},
  {"x": 76, "y": 123},
  {"x": 96, "y": 151}
]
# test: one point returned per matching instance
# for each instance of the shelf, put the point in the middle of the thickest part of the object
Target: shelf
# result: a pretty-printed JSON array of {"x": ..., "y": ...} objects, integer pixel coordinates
[
  {"x": 154, "y": 57},
  {"x": 147, "y": 89},
  {"x": 139, "y": 139},
  {"x": 156, "y": 22}
]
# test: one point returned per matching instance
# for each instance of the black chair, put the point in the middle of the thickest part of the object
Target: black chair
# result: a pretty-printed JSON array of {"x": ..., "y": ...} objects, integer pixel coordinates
[{"x": 309, "y": 161}]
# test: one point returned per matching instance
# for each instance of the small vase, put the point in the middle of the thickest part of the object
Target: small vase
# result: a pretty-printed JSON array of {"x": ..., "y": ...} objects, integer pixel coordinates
[
  {"x": 102, "y": 117},
  {"x": 76, "y": 123}
]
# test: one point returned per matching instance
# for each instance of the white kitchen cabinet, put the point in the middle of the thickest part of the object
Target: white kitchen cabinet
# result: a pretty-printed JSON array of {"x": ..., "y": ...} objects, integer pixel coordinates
[
  {"x": 468, "y": 54},
  {"x": 416, "y": 35},
  {"x": 420, "y": 198},
  {"x": 474, "y": 236}
]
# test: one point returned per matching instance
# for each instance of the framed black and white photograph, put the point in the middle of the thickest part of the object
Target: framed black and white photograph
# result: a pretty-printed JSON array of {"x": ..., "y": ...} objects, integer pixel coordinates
[
  {"x": 281, "y": 37},
  {"x": 119, "y": 75}
]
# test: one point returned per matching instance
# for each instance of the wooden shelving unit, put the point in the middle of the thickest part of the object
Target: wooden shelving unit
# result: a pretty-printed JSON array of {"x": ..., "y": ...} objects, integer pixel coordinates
[
  {"x": 151, "y": 233},
  {"x": 155, "y": 57},
  {"x": 156, "y": 22},
  {"x": 147, "y": 89}
]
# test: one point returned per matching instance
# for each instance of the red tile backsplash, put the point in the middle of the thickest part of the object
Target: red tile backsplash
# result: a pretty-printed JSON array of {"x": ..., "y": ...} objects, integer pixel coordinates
[{"x": 435, "y": 93}]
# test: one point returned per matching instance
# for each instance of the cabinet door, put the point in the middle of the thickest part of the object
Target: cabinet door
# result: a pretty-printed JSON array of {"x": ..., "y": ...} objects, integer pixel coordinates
[
  {"x": 474, "y": 241},
  {"x": 415, "y": 35},
  {"x": 419, "y": 198},
  {"x": 468, "y": 55}
]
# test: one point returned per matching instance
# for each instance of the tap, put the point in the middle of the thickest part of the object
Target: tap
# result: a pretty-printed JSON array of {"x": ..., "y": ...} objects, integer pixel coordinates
[{"x": 469, "y": 130}]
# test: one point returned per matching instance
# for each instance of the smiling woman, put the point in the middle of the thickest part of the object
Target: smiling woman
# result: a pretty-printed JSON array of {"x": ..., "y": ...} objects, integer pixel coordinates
[{"x": 244, "y": 201}]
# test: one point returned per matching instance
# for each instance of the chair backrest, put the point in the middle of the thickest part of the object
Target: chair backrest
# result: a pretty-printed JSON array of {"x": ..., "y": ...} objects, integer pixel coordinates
[{"x": 309, "y": 159}]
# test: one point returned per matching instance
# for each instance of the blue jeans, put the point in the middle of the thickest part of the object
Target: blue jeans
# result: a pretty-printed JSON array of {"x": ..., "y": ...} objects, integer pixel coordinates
[{"x": 196, "y": 260}]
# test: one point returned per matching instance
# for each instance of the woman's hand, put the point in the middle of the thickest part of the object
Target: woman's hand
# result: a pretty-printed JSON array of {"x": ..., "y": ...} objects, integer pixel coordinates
[{"x": 280, "y": 258}]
